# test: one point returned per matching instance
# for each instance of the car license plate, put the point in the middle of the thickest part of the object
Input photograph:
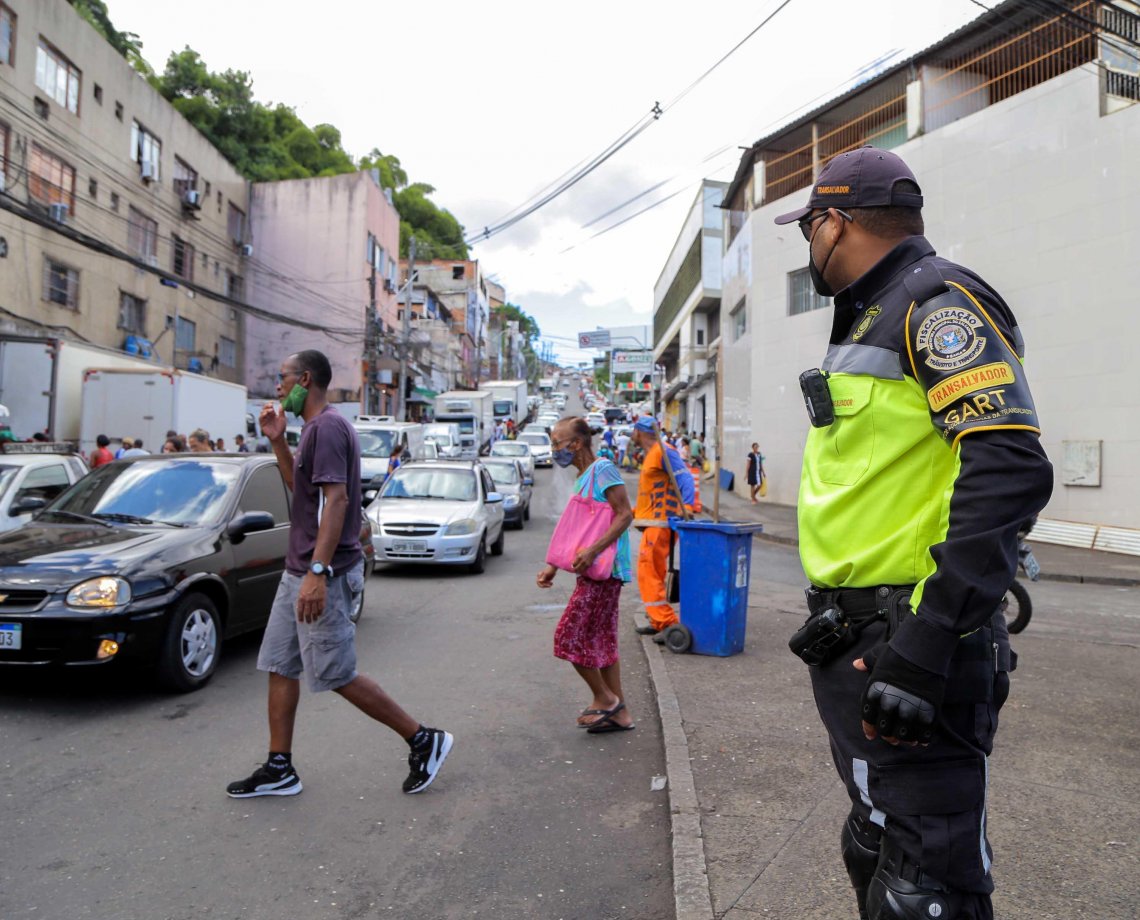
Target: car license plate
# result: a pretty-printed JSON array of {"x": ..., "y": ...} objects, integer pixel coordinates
[
  {"x": 11, "y": 635},
  {"x": 409, "y": 546}
]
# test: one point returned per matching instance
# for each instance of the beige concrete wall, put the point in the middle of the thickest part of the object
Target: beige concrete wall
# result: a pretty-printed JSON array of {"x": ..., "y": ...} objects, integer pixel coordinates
[
  {"x": 96, "y": 143},
  {"x": 310, "y": 263}
]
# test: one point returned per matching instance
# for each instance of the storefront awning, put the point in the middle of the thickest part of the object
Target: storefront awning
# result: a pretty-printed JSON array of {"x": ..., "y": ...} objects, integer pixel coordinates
[{"x": 426, "y": 393}]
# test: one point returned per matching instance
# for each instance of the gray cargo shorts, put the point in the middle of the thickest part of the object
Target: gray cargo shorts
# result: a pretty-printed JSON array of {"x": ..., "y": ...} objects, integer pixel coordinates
[{"x": 324, "y": 650}]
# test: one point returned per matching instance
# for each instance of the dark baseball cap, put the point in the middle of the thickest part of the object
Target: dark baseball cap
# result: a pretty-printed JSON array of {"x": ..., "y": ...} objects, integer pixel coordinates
[{"x": 863, "y": 178}]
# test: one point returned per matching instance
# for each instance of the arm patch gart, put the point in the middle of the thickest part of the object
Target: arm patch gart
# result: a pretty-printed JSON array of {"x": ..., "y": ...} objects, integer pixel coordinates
[{"x": 972, "y": 376}]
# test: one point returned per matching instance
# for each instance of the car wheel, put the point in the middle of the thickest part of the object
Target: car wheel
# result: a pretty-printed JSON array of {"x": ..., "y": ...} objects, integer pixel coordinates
[
  {"x": 526, "y": 512},
  {"x": 193, "y": 644},
  {"x": 357, "y": 608},
  {"x": 480, "y": 564},
  {"x": 497, "y": 546}
]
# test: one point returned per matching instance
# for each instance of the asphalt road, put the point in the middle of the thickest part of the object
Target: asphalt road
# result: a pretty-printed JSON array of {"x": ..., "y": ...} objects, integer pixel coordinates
[{"x": 114, "y": 804}]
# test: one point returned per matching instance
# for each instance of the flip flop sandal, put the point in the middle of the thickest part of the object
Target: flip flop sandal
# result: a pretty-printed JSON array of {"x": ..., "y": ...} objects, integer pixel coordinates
[
  {"x": 607, "y": 724},
  {"x": 604, "y": 713},
  {"x": 591, "y": 712}
]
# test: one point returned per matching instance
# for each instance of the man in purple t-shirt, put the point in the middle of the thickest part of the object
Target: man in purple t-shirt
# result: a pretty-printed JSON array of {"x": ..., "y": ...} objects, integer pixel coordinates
[{"x": 310, "y": 628}]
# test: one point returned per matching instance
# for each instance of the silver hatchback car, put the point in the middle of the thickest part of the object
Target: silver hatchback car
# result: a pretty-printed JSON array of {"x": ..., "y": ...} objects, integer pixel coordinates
[{"x": 444, "y": 512}]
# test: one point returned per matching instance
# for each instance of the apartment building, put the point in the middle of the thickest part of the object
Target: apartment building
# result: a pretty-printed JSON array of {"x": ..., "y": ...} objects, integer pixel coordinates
[
  {"x": 1023, "y": 131},
  {"x": 322, "y": 250},
  {"x": 461, "y": 287},
  {"x": 120, "y": 224},
  {"x": 686, "y": 315}
]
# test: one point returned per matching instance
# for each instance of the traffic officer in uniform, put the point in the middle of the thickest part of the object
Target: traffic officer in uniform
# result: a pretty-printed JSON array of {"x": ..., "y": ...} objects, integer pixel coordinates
[
  {"x": 922, "y": 461},
  {"x": 657, "y": 502}
]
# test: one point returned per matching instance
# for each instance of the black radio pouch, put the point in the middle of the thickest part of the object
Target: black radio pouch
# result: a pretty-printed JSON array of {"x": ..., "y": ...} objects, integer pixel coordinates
[
  {"x": 823, "y": 637},
  {"x": 817, "y": 398}
]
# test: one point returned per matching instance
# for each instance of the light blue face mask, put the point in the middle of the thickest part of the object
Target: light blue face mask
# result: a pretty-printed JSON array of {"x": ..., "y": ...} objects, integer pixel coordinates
[{"x": 564, "y": 456}]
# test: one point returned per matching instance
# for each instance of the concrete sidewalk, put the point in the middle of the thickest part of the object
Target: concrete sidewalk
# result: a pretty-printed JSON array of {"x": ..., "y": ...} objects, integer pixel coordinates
[
  {"x": 1058, "y": 563},
  {"x": 756, "y": 803}
]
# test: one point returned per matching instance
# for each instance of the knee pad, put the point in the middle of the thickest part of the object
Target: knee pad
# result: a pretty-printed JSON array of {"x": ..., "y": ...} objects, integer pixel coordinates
[
  {"x": 859, "y": 841},
  {"x": 900, "y": 890}
]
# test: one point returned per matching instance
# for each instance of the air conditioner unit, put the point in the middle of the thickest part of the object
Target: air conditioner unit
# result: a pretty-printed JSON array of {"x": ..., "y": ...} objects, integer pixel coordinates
[
  {"x": 148, "y": 171},
  {"x": 389, "y": 285},
  {"x": 192, "y": 199},
  {"x": 58, "y": 213},
  {"x": 247, "y": 249},
  {"x": 152, "y": 261}
]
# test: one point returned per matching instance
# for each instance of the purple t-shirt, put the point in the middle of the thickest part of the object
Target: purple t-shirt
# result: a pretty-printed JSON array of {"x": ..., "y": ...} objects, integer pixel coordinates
[{"x": 329, "y": 452}]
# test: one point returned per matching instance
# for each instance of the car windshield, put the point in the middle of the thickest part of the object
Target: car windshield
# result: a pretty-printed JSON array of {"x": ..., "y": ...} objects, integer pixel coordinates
[
  {"x": 509, "y": 449},
  {"x": 534, "y": 437},
  {"x": 414, "y": 482},
  {"x": 7, "y": 472},
  {"x": 162, "y": 491},
  {"x": 375, "y": 443},
  {"x": 503, "y": 473}
]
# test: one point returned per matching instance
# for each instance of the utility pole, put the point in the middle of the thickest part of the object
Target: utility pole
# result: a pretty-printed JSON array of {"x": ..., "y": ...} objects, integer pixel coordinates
[
  {"x": 405, "y": 334},
  {"x": 369, "y": 389}
]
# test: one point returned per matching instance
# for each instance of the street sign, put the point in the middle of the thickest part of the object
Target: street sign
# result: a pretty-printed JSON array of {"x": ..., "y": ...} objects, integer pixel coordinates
[
  {"x": 595, "y": 338},
  {"x": 635, "y": 362}
]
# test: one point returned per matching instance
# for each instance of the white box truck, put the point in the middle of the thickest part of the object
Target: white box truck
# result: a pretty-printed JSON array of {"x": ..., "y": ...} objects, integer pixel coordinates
[
  {"x": 148, "y": 403},
  {"x": 41, "y": 383},
  {"x": 508, "y": 400},
  {"x": 471, "y": 410}
]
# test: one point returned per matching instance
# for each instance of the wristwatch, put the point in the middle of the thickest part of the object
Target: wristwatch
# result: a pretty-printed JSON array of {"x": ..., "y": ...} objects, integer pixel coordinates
[{"x": 319, "y": 568}]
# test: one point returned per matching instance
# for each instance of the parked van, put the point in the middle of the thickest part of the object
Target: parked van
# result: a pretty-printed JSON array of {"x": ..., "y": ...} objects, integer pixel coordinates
[
  {"x": 377, "y": 441},
  {"x": 446, "y": 437}
]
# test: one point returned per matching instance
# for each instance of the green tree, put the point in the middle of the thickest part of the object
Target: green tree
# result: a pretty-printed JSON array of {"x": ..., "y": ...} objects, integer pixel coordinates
[{"x": 127, "y": 44}]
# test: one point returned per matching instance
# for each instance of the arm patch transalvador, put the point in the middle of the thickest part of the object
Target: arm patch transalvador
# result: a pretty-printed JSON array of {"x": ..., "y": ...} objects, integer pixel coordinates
[{"x": 972, "y": 376}]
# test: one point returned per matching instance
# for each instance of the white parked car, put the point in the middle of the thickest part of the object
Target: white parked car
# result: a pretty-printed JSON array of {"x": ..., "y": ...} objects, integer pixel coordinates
[
  {"x": 445, "y": 512},
  {"x": 538, "y": 442},
  {"x": 516, "y": 450},
  {"x": 596, "y": 421},
  {"x": 28, "y": 481}
]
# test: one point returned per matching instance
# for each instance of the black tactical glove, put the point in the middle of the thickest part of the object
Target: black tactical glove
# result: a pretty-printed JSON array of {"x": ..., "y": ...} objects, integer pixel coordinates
[{"x": 901, "y": 700}]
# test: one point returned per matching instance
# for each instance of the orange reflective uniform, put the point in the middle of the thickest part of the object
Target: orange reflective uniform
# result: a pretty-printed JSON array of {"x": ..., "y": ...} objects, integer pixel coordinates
[{"x": 656, "y": 501}]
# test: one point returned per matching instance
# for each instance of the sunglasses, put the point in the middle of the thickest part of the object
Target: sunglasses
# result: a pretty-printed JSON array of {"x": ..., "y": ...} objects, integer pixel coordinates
[{"x": 806, "y": 222}]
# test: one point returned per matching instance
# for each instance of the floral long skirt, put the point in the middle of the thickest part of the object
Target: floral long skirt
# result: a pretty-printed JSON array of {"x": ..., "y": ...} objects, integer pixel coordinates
[{"x": 587, "y": 634}]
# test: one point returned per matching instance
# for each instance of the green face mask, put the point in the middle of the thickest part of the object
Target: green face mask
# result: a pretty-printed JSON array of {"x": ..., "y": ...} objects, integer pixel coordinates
[{"x": 295, "y": 401}]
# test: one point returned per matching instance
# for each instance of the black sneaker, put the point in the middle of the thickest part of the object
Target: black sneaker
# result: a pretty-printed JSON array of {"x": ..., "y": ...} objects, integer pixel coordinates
[
  {"x": 425, "y": 763},
  {"x": 266, "y": 781}
]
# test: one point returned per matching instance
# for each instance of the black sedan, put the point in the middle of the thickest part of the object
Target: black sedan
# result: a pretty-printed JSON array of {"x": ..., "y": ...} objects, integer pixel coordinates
[{"x": 152, "y": 560}]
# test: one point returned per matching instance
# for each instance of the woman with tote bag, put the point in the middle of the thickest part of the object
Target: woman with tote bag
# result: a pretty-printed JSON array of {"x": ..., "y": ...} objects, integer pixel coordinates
[{"x": 592, "y": 541}]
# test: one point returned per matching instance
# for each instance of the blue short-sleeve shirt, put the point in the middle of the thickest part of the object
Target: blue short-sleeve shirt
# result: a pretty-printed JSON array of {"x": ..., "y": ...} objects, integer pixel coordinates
[{"x": 607, "y": 476}]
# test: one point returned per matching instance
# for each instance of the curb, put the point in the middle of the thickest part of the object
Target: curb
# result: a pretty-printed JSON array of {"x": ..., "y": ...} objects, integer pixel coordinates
[
  {"x": 692, "y": 900},
  {"x": 1112, "y": 581}
]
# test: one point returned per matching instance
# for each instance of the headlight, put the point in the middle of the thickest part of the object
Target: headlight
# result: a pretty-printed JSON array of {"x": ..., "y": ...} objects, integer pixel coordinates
[
  {"x": 510, "y": 501},
  {"x": 459, "y": 528},
  {"x": 105, "y": 591}
]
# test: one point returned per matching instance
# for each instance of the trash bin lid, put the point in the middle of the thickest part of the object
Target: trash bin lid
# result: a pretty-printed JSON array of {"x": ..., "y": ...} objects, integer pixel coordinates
[{"x": 733, "y": 528}]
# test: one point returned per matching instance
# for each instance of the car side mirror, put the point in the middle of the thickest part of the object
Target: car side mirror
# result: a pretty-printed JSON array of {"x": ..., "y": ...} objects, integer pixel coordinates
[
  {"x": 26, "y": 505},
  {"x": 493, "y": 497},
  {"x": 249, "y": 522},
  {"x": 527, "y": 481}
]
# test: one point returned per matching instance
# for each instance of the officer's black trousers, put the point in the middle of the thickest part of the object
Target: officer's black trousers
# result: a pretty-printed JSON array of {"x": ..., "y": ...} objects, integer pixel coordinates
[{"x": 931, "y": 800}]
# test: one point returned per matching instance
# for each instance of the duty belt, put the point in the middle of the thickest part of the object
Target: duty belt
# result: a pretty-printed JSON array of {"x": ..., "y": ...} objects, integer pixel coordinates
[{"x": 858, "y": 603}]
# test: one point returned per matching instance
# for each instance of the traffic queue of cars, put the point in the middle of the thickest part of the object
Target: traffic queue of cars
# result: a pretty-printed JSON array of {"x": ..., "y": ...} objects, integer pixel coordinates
[{"x": 157, "y": 560}]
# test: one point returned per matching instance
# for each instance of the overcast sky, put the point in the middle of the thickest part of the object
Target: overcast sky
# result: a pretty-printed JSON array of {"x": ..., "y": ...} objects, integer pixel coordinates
[{"x": 491, "y": 102}]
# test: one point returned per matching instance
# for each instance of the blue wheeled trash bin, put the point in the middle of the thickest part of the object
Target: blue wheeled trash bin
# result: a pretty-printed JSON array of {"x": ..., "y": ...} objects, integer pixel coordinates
[{"x": 715, "y": 564}]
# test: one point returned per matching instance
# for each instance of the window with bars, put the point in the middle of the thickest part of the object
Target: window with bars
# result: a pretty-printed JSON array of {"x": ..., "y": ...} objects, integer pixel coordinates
[
  {"x": 61, "y": 284},
  {"x": 132, "y": 313},
  {"x": 185, "y": 334},
  {"x": 7, "y": 35},
  {"x": 57, "y": 77},
  {"x": 802, "y": 295},
  {"x": 183, "y": 265},
  {"x": 235, "y": 286},
  {"x": 50, "y": 179},
  {"x": 142, "y": 235},
  {"x": 146, "y": 150},
  {"x": 185, "y": 177},
  {"x": 235, "y": 223},
  {"x": 227, "y": 352}
]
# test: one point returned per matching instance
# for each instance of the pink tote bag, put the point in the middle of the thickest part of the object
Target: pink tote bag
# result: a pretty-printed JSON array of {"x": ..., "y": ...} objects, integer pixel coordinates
[{"x": 582, "y": 524}]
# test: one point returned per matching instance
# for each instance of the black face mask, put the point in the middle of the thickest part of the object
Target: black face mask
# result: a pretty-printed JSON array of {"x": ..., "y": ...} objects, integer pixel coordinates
[{"x": 821, "y": 286}]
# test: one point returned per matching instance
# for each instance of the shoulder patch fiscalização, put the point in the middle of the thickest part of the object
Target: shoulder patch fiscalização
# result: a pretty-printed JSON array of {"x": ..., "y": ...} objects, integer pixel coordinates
[{"x": 972, "y": 376}]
